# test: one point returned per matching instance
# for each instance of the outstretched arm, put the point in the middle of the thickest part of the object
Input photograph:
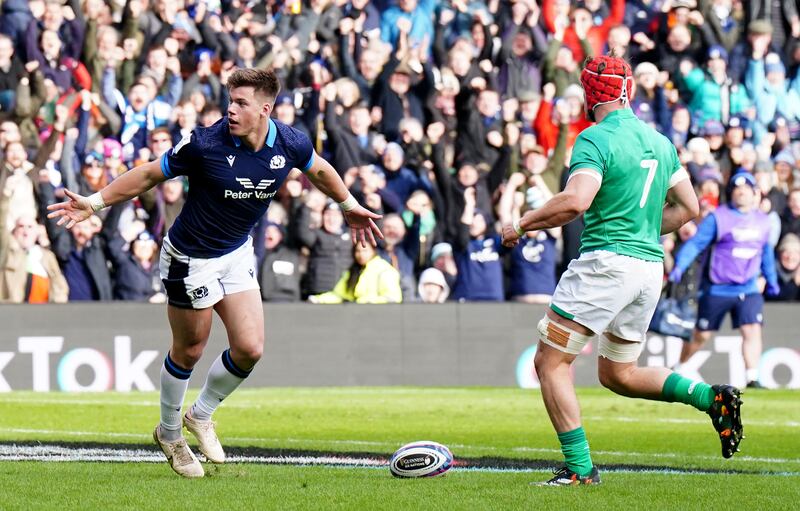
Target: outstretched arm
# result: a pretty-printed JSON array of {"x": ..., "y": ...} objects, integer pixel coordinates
[
  {"x": 129, "y": 185},
  {"x": 361, "y": 221},
  {"x": 563, "y": 208}
]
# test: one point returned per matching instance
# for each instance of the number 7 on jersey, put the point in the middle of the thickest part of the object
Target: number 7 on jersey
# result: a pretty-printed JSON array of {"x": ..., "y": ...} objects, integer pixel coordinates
[{"x": 651, "y": 165}]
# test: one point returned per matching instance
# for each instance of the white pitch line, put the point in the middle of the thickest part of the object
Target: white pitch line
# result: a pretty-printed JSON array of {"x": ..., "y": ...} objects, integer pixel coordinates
[
  {"x": 303, "y": 441},
  {"x": 60, "y": 454},
  {"x": 666, "y": 455}
]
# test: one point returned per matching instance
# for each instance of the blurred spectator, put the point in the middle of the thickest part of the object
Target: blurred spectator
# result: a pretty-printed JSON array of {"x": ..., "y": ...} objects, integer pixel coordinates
[
  {"x": 29, "y": 272},
  {"x": 11, "y": 72},
  {"x": 401, "y": 250},
  {"x": 136, "y": 274},
  {"x": 788, "y": 269},
  {"x": 400, "y": 179},
  {"x": 650, "y": 102},
  {"x": 352, "y": 144},
  {"x": 782, "y": 16},
  {"x": 433, "y": 287},
  {"x": 708, "y": 86},
  {"x": 82, "y": 252},
  {"x": 755, "y": 47},
  {"x": 772, "y": 95},
  {"x": 279, "y": 271},
  {"x": 722, "y": 25},
  {"x": 173, "y": 197},
  {"x": 790, "y": 220},
  {"x": 533, "y": 260},
  {"x": 411, "y": 18},
  {"x": 369, "y": 279},
  {"x": 442, "y": 259},
  {"x": 579, "y": 25},
  {"x": 784, "y": 166},
  {"x": 478, "y": 256},
  {"x": 552, "y": 112},
  {"x": 329, "y": 246}
]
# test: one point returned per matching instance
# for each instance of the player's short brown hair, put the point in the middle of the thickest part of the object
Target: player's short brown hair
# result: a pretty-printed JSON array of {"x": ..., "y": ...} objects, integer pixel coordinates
[{"x": 261, "y": 80}]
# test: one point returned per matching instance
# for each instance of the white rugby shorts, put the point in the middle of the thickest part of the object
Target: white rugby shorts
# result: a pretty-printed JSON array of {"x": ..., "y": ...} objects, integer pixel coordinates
[
  {"x": 608, "y": 292},
  {"x": 194, "y": 283}
]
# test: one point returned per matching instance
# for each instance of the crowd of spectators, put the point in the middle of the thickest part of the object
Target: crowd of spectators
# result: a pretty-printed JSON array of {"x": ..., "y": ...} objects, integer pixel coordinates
[{"x": 447, "y": 117}]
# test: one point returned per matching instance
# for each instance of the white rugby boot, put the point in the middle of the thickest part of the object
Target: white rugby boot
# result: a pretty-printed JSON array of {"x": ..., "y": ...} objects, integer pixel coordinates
[
  {"x": 206, "y": 435},
  {"x": 179, "y": 456}
]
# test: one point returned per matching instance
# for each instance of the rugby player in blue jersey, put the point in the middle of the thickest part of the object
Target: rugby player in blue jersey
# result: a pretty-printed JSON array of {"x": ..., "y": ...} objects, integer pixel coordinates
[{"x": 235, "y": 168}]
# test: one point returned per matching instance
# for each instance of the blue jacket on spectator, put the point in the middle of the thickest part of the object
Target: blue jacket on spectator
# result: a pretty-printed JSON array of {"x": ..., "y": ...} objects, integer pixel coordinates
[
  {"x": 770, "y": 100},
  {"x": 421, "y": 24}
]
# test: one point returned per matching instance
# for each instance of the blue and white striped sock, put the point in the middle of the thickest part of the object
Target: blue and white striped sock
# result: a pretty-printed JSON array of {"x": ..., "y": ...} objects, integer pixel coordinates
[
  {"x": 174, "y": 381},
  {"x": 223, "y": 378}
]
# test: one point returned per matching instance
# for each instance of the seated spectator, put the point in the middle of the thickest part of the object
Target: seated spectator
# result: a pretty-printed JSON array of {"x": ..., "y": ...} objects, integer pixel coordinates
[
  {"x": 433, "y": 287},
  {"x": 788, "y": 269},
  {"x": 279, "y": 272},
  {"x": 370, "y": 279},
  {"x": 29, "y": 272}
]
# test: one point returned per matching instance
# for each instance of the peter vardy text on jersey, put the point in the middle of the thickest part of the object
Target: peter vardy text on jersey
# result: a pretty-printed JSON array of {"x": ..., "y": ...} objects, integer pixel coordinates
[{"x": 233, "y": 194}]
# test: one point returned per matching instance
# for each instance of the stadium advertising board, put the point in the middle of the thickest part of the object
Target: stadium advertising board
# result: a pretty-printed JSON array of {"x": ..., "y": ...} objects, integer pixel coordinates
[{"x": 112, "y": 346}]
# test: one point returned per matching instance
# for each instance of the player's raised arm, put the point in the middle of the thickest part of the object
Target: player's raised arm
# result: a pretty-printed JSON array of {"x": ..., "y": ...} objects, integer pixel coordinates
[
  {"x": 127, "y": 186},
  {"x": 681, "y": 204},
  {"x": 361, "y": 220}
]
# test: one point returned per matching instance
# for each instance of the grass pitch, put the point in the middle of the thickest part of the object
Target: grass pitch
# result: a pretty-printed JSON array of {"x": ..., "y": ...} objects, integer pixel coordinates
[{"x": 651, "y": 455}]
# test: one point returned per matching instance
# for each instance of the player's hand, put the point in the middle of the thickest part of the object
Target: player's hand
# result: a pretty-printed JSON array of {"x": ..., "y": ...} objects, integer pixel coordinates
[
  {"x": 510, "y": 236},
  {"x": 675, "y": 275},
  {"x": 76, "y": 209},
  {"x": 773, "y": 289},
  {"x": 362, "y": 225}
]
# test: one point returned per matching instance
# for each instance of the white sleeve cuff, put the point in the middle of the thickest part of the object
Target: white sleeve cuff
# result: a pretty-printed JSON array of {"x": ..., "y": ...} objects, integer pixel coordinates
[
  {"x": 591, "y": 173},
  {"x": 678, "y": 176}
]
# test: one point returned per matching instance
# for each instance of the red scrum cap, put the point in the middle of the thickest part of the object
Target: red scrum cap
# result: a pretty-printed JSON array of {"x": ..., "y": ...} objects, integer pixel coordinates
[{"x": 606, "y": 79}]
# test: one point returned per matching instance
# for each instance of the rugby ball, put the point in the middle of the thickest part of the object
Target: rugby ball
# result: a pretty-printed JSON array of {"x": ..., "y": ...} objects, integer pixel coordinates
[{"x": 421, "y": 459}]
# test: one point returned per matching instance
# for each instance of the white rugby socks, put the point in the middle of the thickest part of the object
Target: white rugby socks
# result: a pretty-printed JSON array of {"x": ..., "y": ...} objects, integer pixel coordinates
[
  {"x": 174, "y": 381},
  {"x": 223, "y": 378}
]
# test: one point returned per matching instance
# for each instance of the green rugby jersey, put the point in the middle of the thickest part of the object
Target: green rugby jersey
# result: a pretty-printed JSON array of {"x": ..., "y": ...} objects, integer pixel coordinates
[{"x": 636, "y": 165}]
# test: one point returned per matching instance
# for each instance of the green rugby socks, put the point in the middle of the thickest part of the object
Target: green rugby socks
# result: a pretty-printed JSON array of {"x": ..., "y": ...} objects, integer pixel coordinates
[
  {"x": 683, "y": 390},
  {"x": 576, "y": 451}
]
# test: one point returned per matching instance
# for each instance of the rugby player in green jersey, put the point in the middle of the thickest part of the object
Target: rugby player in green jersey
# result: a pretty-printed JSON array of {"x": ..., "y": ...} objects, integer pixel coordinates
[{"x": 628, "y": 182}]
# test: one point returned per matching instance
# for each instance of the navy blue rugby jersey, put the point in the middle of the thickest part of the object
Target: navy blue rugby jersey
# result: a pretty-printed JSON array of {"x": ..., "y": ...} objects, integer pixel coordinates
[{"x": 230, "y": 186}]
